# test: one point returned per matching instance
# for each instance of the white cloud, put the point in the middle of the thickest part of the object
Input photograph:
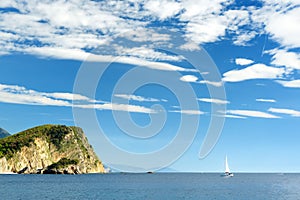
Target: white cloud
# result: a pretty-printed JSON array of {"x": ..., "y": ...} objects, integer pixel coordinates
[
  {"x": 189, "y": 78},
  {"x": 290, "y": 84},
  {"x": 67, "y": 96},
  {"x": 252, "y": 113},
  {"x": 280, "y": 57},
  {"x": 163, "y": 8},
  {"x": 190, "y": 46},
  {"x": 204, "y": 73},
  {"x": 136, "y": 98},
  {"x": 77, "y": 54},
  {"x": 256, "y": 71},
  {"x": 283, "y": 27},
  {"x": 279, "y": 20},
  {"x": 147, "y": 53},
  {"x": 71, "y": 26},
  {"x": 142, "y": 34},
  {"x": 236, "y": 19},
  {"x": 194, "y": 79},
  {"x": 266, "y": 100},
  {"x": 20, "y": 95},
  {"x": 195, "y": 8},
  {"x": 7, "y": 4},
  {"x": 62, "y": 53},
  {"x": 65, "y": 29},
  {"x": 209, "y": 21},
  {"x": 242, "y": 39},
  {"x": 213, "y": 83},
  {"x": 234, "y": 116},
  {"x": 117, "y": 107},
  {"x": 204, "y": 23},
  {"x": 152, "y": 65},
  {"x": 243, "y": 61},
  {"x": 223, "y": 113},
  {"x": 216, "y": 101},
  {"x": 294, "y": 113},
  {"x": 203, "y": 31},
  {"x": 188, "y": 112}
]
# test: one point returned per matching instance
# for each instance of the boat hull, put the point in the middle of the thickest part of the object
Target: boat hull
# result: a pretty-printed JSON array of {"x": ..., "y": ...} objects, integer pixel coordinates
[{"x": 227, "y": 175}]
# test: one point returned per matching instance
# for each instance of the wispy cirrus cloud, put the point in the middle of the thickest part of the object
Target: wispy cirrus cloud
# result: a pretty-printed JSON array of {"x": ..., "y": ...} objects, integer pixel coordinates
[
  {"x": 266, "y": 100},
  {"x": 188, "y": 112},
  {"x": 290, "y": 84},
  {"x": 291, "y": 112},
  {"x": 216, "y": 101},
  {"x": 224, "y": 113},
  {"x": 20, "y": 95},
  {"x": 194, "y": 79},
  {"x": 147, "y": 53},
  {"x": 234, "y": 116},
  {"x": 256, "y": 71},
  {"x": 78, "y": 54},
  {"x": 117, "y": 107},
  {"x": 213, "y": 83},
  {"x": 138, "y": 98},
  {"x": 252, "y": 113}
]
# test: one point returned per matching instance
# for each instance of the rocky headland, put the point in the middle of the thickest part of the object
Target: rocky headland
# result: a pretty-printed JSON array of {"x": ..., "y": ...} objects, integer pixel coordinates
[{"x": 49, "y": 149}]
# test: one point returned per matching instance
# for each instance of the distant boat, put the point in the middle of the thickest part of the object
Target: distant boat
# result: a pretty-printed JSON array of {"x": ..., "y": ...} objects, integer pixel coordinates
[{"x": 227, "y": 170}]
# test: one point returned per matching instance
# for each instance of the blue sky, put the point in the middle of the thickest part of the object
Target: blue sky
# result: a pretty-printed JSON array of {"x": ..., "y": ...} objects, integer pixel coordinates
[{"x": 163, "y": 63}]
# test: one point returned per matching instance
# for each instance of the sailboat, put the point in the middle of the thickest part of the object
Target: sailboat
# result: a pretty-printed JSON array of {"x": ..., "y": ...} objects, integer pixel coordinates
[{"x": 227, "y": 170}]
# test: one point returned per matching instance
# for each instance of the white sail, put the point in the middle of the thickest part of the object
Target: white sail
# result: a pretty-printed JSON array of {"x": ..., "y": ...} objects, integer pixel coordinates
[{"x": 227, "y": 170}]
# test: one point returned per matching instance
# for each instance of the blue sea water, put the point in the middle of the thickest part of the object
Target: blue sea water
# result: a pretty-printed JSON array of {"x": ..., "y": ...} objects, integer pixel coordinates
[{"x": 150, "y": 186}]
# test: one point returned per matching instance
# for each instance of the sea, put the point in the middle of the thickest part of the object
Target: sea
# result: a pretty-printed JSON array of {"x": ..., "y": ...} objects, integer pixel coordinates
[{"x": 151, "y": 186}]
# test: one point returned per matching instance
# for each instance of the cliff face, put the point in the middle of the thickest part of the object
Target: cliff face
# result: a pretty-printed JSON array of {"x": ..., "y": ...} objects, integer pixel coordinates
[{"x": 53, "y": 149}]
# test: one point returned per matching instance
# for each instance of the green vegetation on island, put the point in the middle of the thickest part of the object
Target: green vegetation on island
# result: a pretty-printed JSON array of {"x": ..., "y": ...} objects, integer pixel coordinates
[
  {"x": 64, "y": 162},
  {"x": 14, "y": 143}
]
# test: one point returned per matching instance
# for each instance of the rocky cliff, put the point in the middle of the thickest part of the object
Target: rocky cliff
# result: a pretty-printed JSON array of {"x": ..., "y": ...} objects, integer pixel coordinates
[{"x": 49, "y": 149}]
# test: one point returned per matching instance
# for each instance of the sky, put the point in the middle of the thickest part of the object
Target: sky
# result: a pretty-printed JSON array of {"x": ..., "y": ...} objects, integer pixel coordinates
[{"x": 172, "y": 84}]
